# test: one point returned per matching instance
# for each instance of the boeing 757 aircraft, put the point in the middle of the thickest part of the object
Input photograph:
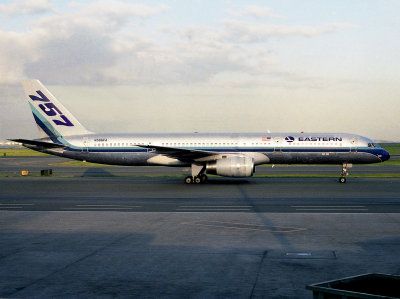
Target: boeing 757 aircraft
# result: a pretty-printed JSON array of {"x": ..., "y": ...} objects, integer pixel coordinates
[{"x": 227, "y": 154}]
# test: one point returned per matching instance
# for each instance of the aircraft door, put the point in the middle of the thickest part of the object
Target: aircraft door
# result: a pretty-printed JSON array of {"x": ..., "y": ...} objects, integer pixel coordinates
[
  {"x": 278, "y": 143},
  {"x": 85, "y": 144},
  {"x": 353, "y": 145}
]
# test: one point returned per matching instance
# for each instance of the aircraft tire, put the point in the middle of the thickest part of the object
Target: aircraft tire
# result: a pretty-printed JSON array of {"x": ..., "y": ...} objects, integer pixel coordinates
[
  {"x": 188, "y": 180},
  {"x": 197, "y": 180},
  {"x": 342, "y": 180}
]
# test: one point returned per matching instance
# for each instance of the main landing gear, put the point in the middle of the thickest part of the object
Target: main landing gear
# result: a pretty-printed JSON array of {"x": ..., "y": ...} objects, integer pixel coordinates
[
  {"x": 200, "y": 179},
  {"x": 198, "y": 176},
  {"x": 342, "y": 179}
]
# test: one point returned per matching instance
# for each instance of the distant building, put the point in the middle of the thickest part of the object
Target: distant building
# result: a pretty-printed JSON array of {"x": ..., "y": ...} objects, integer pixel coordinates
[{"x": 10, "y": 143}]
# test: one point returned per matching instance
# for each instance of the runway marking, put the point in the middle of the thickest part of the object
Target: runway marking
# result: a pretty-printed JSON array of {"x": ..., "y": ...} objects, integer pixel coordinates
[
  {"x": 320, "y": 209},
  {"x": 17, "y": 204},
  {"x": 215, "y": 206},
  {"x": 298, "y": 254},
  {"x": 103, "y": 207},
  {"x": 109, "y": 206},
  {"x": 4, "y": 206},
  {"x": 11, "y": 208},
  {"x": 98, "y": 208},
  {"x": 328, "y": 206},
  {"x": 245, "y": 226},
  {"x": 210, "y": 209}
]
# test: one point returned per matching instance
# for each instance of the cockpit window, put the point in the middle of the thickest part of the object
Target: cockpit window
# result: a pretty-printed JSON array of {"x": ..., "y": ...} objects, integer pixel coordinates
[{"x": 372, "y": 145}]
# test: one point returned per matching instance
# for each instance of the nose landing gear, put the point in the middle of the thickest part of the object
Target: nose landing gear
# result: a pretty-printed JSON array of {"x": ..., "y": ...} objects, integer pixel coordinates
[{"x": 342, "y": 179}]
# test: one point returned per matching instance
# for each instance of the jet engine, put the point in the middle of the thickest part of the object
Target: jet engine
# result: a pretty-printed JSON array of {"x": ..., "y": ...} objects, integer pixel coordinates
[{"x": 239, "y": 166}]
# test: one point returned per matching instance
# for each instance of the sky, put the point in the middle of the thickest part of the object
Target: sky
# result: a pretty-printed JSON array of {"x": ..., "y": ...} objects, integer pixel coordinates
[{"x": 205, "y": 66}]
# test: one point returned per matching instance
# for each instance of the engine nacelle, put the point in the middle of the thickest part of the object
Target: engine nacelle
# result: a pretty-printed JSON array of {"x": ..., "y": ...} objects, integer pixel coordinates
[{"x": 232, "y": 167}]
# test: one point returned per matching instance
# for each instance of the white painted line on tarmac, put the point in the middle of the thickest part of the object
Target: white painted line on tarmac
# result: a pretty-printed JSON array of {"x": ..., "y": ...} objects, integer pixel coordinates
[
  {"x": 108, "y": 206},
  {"x": 298, "y": 254},
  {"x": 211, "y": 209},
  {"x": 245, "y": 226},
  {"x": 10, "y": 208},
  {"x": 17, "y": 204},
  {"x": 215, "y": 206},
  {"x": 98, "y": 208},
  {"x": 330, "y": 209},
  {"x": 328, "y": 206}
]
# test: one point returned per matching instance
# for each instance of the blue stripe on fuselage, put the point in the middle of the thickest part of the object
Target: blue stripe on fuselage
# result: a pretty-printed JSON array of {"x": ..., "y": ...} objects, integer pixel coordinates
[{"x": 376, "y": 151}]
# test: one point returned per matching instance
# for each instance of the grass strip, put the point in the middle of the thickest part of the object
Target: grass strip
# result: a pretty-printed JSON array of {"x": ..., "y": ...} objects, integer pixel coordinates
[
  {"x": 20, "y": 152},
  {"x": 392, "y": 148},
  {"x": 81, "y": 164},
  {"x": 309, "y": 175},
  {"x": 389, "y": 163}
]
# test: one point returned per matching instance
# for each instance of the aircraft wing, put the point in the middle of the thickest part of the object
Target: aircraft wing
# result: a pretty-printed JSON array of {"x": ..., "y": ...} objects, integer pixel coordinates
[
  {"x": 184, "y": 154},
  {"x": 38, "y": 143}
]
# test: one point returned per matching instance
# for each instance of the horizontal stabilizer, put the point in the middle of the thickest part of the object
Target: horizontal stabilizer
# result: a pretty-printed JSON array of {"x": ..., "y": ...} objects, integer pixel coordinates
[{"x": 38, "y": 143}]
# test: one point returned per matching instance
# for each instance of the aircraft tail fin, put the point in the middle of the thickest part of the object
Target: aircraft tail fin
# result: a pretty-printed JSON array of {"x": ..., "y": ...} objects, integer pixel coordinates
[{"x": 53, "y": 119}]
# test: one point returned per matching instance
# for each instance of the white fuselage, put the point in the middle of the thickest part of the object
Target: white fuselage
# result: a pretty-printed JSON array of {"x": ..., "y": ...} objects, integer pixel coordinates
[
  {"x": 225, "y": 154},
  {"x": 125, "y": 149}
]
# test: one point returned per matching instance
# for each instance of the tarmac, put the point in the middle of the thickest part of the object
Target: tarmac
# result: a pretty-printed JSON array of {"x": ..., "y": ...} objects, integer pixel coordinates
[
  {"x": 155, "y": 237},
  {"x": 14, "y": 166}
]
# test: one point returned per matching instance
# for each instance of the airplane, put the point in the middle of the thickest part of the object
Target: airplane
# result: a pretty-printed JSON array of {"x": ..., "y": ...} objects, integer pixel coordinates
[{"x": 223, "y": 154}]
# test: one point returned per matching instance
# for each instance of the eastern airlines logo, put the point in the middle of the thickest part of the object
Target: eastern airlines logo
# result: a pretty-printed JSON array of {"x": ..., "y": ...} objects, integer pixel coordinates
[
  {"x": 289, "y": 139},
  {"x": 51, "y": 110},
  {"x": 292, "y": 139}
]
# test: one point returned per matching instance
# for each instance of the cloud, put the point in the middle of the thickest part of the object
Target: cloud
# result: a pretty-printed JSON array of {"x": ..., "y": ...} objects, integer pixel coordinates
[
  {"x": 26, "y": 7},
  {"x": 74, "y": 48},
  {"x": 249, "y": 32},
  {"x": 118, "y": 9},
  {"x": 103, "y": 42},
  {"x": 14, "y": 49},
  {"x": 256, "y": 12}
]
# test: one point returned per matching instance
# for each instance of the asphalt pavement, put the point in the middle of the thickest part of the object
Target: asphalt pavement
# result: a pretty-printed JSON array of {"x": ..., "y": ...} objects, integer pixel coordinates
[{"x": 155, "y": 237}]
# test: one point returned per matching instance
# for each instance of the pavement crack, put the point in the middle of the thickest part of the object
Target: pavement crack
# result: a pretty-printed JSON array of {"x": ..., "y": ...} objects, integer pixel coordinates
[
  {"x": 19, "y": 289},
  {"x": 264, "y": 255}
]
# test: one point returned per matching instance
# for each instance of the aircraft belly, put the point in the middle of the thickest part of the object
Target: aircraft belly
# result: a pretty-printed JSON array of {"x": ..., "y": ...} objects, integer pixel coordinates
[
  {"x": 128, "y": 159},
  {"x": 322, "y": 158}
]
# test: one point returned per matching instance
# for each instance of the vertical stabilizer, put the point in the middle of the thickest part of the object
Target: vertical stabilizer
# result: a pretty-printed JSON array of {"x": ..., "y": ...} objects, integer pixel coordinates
[{"x": 52, "y": 118}]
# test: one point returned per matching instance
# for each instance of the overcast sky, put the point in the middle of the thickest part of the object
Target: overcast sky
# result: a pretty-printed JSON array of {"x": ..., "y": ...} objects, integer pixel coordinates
[{"x": 206, "y": 66}]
